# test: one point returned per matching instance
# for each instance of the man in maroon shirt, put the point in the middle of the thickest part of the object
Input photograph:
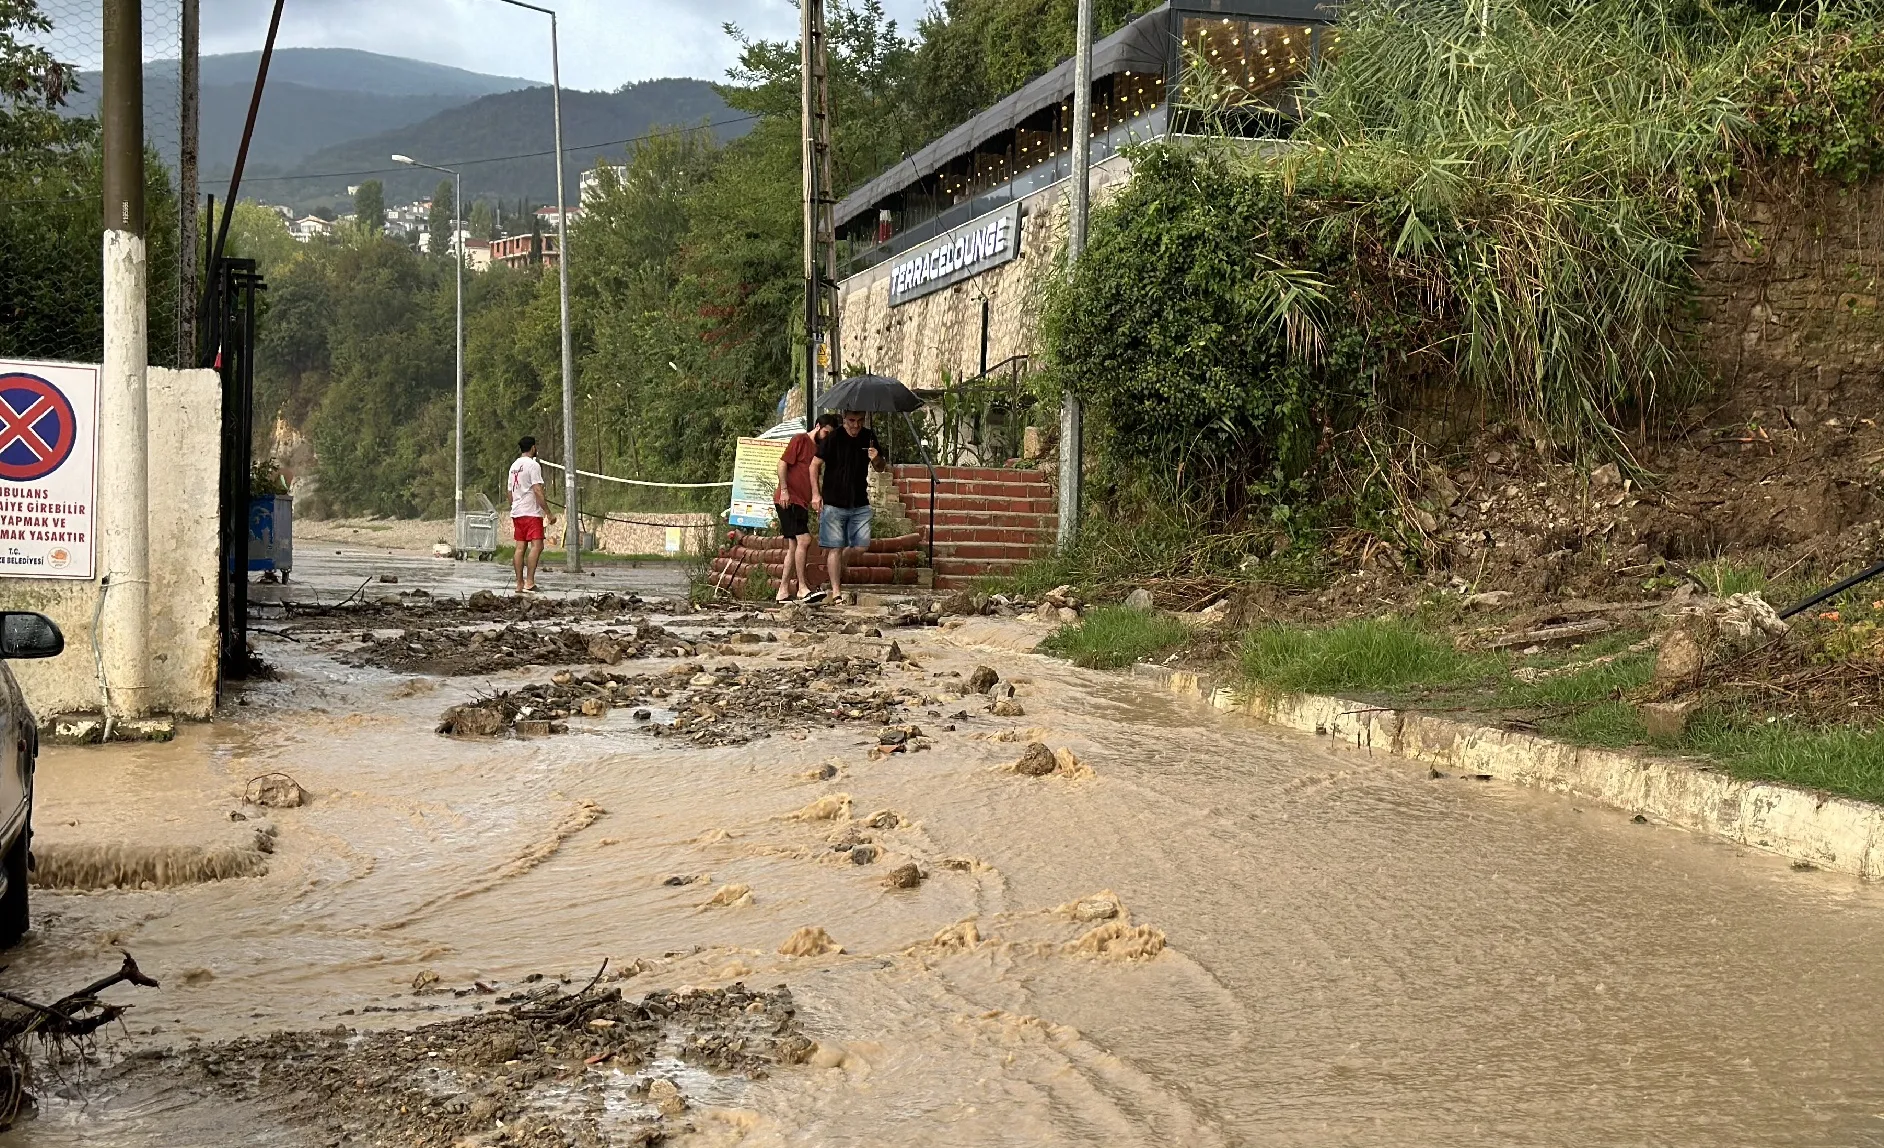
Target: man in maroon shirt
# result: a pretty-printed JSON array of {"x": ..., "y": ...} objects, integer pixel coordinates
[{"x": 793, "y": 502}]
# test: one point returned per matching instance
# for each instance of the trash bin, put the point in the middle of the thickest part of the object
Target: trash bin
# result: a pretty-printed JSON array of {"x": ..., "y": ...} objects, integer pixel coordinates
[{"x": 271, "y": 533}]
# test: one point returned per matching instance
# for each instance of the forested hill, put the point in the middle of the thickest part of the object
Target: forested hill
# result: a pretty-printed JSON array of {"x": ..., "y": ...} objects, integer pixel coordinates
[
  {"x": 518, "y": 123},
  {"x": 316, "y": 97}
]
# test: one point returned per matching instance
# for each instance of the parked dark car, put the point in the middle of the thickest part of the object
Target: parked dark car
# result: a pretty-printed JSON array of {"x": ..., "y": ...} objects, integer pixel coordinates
[{"x": 22, "y": 635}]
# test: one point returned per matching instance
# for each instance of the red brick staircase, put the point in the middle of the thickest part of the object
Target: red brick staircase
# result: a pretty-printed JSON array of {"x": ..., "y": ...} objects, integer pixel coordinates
[{"x": 988, "y": 520}]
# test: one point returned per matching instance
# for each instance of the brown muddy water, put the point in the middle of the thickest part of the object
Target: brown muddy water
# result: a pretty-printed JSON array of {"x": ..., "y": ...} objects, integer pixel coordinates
[{"x": 1353, "y": 954}]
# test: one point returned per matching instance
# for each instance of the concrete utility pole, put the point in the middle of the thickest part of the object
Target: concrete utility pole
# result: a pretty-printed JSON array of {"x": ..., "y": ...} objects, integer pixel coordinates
[
  {"x": 123, "y": 415},
  {"x": 572, "y": 528},
  {"x": 572, "y": 523},
  {"x": 188, "y": 152},
  {"x": 1071, "y": 453}
]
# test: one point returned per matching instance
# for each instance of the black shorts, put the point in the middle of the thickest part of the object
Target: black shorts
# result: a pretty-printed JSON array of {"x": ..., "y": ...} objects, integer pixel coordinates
[{"x": 793, "y": 521}]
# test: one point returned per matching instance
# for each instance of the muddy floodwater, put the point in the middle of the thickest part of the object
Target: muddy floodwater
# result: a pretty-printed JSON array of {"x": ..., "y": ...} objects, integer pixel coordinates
[{"x": 1210, "y": 934}]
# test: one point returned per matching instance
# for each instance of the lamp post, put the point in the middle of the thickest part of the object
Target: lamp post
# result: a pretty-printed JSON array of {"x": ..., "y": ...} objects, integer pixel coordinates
[
  {"x": 457, "y": 425},
  {"x": 573, "y": 525}
]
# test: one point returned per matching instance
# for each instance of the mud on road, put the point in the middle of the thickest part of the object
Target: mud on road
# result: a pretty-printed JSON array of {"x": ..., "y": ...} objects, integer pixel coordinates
[{"x": 1014, "y": 904}]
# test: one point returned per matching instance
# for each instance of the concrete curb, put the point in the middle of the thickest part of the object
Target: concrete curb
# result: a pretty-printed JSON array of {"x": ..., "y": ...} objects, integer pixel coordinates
[{"x": 1833, "y": 833}]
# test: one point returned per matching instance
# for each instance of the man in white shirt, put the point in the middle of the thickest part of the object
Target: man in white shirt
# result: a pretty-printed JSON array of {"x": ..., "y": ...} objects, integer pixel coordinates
[{"x": 528, "y": 511}]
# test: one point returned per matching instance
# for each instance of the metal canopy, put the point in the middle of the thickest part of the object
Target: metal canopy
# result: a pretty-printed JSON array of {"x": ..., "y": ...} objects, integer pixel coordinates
[{"x": 1144, "y": 45}]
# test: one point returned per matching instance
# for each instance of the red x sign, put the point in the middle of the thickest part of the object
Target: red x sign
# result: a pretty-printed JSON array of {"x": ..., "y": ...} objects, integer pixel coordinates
[{"x": 37, "y": 428}]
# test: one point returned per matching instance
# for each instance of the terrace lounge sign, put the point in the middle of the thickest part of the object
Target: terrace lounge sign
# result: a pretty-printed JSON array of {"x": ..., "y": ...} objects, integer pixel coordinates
[{"x": 962, "y": 254}]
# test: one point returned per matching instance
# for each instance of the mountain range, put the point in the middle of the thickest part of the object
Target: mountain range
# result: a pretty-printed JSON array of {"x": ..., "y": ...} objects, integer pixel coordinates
[{"x": 331, "y": 117}]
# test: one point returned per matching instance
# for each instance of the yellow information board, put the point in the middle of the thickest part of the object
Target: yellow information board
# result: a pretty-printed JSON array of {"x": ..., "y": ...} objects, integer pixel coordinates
[{"x": 755, "y": 481}]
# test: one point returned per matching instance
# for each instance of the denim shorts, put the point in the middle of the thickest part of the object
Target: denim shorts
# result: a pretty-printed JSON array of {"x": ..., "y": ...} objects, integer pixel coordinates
[{"x": 844, "y": 527}]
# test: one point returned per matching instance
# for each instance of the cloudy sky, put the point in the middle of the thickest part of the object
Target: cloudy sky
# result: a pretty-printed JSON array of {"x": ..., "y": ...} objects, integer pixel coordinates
[{"x": 605, "y": 43}]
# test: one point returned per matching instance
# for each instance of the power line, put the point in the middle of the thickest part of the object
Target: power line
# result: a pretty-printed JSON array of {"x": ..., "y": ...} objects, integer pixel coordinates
[{"x": 471, "y": 162}]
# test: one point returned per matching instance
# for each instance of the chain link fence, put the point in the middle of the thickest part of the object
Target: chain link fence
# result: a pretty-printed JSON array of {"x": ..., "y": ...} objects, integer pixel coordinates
[{"x": 51, "y": 216}]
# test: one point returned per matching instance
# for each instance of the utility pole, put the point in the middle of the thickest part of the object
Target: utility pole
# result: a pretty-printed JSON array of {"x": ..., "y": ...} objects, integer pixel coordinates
[
  {"x": 572, "y": 525},
  {"x": 1071, "y": 454},
  {"x": 188, "y": 152},
  {"x": 572, "y": 522},
  {"x": 124, "y": 415},
  {"x": 822, "y": 346}
]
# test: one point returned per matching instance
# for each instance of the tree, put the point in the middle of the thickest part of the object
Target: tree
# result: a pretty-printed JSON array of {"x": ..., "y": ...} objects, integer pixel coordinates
[
  {"x": 369, "y": 207},
  {"x": 33, "y": 86},
  {"x": 257, "y": 232},
  {"x": 438, "y": 224},
  {"x": 483, "y": 222}
]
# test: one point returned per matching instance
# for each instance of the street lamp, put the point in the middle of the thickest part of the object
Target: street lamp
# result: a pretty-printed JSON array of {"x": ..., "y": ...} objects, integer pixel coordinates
[
  {"x": 457, "y": 232},
  {"x": 572, "y": 554}
]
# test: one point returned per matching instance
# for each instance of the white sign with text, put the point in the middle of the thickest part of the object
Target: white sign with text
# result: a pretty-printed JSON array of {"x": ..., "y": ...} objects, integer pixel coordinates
[{"x": 48, "y": 469}]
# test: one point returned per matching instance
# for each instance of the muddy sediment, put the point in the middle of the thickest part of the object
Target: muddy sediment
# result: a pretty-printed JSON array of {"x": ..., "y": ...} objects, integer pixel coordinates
[
  {"x": 728, "y": 705},
  {"x": 551, "y": 1067}
]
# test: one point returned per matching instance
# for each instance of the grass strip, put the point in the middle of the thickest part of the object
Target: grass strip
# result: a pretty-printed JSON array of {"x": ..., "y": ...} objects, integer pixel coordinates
[
  {"x": 1112, "y": 637},
  {"x": 1366, "y": 654}
]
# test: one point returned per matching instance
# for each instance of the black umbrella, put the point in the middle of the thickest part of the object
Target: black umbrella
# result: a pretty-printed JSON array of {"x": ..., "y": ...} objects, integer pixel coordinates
[
  {"x": 870, "y": 393},
  {"x": 875, "y": 393}
]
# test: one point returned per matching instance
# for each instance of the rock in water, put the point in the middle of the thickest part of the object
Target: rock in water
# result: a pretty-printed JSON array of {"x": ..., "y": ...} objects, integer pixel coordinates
[
  {"x": 277, "y": 791},
  {"x": 604, "y": 649},
  {"x": 1037, "y": 761},
  {"x": 1008, "y": 707},
  {"x": 665, "y": 1095},
  {"x": 810, "y": 941},
  {"x": 904, "y": 876},
  {"x": 471, "y": 721},
  {"x": 982, "y": 680}
]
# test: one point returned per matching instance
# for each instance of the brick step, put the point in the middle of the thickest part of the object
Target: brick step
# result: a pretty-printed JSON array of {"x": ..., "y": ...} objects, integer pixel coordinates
[
  {"x": 946, "y": 536},
  {"x": 1015, "y": 551},
  {"x": 976, "y": 517},
  {"x": 911, "y": 473},
  {"x": 919, "y": 492},
  {"x": 972, "y": 504}
]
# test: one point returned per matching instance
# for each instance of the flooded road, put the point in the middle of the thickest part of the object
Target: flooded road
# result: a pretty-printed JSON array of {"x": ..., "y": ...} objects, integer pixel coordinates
[{"x": 1352, "y": 953}]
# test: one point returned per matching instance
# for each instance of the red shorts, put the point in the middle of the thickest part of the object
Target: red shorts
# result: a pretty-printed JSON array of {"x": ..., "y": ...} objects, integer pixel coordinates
[{"x": 527, "y": 529}]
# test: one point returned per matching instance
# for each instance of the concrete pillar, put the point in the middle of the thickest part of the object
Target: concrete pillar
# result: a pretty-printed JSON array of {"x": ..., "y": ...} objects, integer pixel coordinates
[{"x": 123, "y": 417}]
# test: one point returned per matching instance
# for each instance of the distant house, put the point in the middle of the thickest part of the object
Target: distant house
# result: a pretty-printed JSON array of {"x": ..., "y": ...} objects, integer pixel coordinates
[
  {"x": 477, "y": 254},
  {"x": 548, "y": 216},
  {"x": 514, "y": 250},
  {"x": 309, "y": 227},
  {"x": 591, "y": 185}
]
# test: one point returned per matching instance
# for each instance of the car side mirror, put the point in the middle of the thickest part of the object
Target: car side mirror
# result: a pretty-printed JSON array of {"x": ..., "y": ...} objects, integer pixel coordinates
[{"x": 24, "y": 634}]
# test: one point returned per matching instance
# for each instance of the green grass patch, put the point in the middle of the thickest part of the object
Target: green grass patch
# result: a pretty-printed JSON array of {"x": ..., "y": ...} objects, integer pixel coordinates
[
  {"x": 1110, "y": 637},
  {"x": 1368, "y": 654},
  {"x": 1584, "y": 687},
  {"x": 1843, "y": 760}
]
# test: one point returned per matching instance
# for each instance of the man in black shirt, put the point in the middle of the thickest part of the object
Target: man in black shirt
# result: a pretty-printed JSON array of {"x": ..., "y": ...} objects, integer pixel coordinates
[{"x": 840, "y": 493}]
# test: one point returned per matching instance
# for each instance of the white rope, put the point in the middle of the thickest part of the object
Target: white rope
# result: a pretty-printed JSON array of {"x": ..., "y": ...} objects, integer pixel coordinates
[{"x": 638, "y": 481}]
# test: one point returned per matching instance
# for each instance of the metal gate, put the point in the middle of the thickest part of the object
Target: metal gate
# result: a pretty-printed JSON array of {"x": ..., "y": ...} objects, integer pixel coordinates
[{"x": 230, "y": 347}]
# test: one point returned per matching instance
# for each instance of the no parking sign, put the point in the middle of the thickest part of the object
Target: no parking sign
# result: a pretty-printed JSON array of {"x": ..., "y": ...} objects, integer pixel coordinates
[{"x": 48, "y": 468}]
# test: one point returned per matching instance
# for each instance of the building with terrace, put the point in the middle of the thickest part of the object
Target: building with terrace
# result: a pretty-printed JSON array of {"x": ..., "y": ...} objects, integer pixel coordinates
[{"x": 939, "y": 254}]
